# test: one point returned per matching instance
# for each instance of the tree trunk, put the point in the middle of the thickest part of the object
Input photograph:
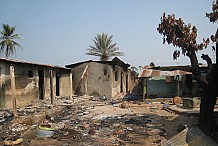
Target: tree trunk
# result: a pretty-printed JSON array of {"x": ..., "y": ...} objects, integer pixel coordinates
[
  {"x": 206, "y": 118},
  {"x": 209, "y": 96},
  {"x": 208, "y": 101}
]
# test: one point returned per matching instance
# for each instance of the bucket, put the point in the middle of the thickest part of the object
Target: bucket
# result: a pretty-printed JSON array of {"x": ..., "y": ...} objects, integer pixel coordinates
[{"x": 44, "y": 131}]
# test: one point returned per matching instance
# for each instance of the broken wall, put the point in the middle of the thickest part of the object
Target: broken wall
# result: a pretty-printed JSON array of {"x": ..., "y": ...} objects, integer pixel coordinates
[
  {"x": 64, "y": 83},
  {"x": 62, "y": 88},
  {"x": 25, "y": 82},
  {"x": 121, "y": 80},
  {"x": 78, "y": 88},
  {"x": 47, "y": 87},
  {"x": 3, "y": 77},
  {"x": 133, "y": 83},
  {"x": 95, "y": 80},
  {"x": 100, "y": 79}
]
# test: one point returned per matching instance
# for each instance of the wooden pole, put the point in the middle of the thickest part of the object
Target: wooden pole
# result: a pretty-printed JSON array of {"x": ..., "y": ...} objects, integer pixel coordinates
[
  {"x": 144, "y": 88},
  {"x": 71, "y": 86},
  {"x": 178, "y": 86},
  {"x": 13, "y": 90},
  {"x": 51, "y": 87},
  {"x": 86, "y": 83}
]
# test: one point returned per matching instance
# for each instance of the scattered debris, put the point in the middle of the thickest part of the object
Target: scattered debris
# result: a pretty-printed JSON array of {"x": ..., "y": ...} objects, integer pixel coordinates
[
  {"x": 19, "y": 127},
  {"x": 12, "y": 141},
  {"x": 181, "y": 127},
  {"x": 177, "y": 100},
  {"x": 125, "y": 104},
  {"x": 90, "y": 121},
  {"x": 2, "y": 119},
  {"x": 104, "y": 98},
  {"x": 164, "y": 106}
]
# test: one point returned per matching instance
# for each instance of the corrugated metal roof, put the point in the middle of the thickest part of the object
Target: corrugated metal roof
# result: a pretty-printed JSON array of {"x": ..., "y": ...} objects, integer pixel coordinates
[
  {"x": 146, "y": 72},
  {"x": 187, "y": 68},
  {"x": 191, "y": 136},
  {"x": 25, "y": 62}
]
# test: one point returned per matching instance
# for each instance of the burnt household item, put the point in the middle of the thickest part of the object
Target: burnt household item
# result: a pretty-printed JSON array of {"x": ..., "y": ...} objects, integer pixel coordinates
[
  {"x": 192, "y": 102},
  {"x": 177, "y": 100},
  {"x": 11, "y": 141},
  {"x": 44, "y": 131},
  {"x": 125, "y": 105}
]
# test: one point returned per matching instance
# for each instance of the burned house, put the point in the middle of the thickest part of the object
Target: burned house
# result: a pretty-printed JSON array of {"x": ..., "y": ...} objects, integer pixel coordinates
[
  {"x": 102, "y": 78},
  {"x": 169, "y": 81},
  {"x": 32, "y": 81}
]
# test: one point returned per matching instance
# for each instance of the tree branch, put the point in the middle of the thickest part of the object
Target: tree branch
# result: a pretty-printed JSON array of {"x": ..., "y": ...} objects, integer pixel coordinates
[
  {"x": 208, "y": 60},
  {"x": 195, "y": 68}
]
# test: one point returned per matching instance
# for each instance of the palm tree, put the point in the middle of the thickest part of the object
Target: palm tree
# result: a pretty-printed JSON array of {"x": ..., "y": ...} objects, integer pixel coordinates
[
  {"x": 7, "y": 40},
  {"x": 103, "y": 48}
]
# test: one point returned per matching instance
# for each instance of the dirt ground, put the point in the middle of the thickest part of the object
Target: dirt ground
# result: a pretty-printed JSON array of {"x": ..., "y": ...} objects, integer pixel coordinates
[{"x": 88, "y": 120}]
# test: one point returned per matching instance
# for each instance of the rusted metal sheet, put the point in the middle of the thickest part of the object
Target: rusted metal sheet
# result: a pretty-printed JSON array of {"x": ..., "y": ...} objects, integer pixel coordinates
[
  {"x": 154, "y": 73},
  {"x": 191, "y": 136}
]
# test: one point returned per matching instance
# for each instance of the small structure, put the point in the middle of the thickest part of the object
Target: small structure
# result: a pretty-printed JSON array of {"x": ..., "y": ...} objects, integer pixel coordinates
[
  {"x": 32, "y": 81},
  {"x": 168, "y": 81},
  {"x": 102, "y": 78}
]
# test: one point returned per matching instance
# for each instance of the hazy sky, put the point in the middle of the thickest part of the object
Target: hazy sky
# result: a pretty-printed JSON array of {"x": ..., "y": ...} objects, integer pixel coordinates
[{"x": 58, "y": 31}]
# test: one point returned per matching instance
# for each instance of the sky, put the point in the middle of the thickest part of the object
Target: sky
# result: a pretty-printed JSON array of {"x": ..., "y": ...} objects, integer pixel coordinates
[{"x": 58, "y": 32}]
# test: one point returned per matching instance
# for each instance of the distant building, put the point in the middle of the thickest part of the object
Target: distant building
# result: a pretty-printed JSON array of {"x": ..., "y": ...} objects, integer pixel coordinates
[
  {"x": 103, "y": 78},
  {"x": 32, "y": 82},
  {"x": 169, "y": 81}
]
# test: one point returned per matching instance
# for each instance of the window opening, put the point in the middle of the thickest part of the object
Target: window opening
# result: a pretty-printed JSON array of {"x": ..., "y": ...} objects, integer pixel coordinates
[{"x": 30, "y": 74}]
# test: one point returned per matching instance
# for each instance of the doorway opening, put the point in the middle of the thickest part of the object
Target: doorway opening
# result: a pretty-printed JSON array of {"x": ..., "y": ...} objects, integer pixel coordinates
[
  {"x": 121, "y": 82},
  {"x": 57, "y": 84},
  {"x": 41, "y": 84}
]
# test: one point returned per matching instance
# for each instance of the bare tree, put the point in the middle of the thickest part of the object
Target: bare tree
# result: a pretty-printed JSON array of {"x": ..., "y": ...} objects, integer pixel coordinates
[{"x": 184, "y": 36}]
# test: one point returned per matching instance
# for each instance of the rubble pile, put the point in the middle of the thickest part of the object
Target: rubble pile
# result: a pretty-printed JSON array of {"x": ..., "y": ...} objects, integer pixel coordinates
[
  {"x": 88, "y": 120},
  {"x": 5, "y": 116}
]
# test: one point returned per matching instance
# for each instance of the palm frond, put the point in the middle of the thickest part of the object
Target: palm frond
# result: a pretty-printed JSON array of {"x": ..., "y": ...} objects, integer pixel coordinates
[
  {"x": 8, "y": 44},
  {"x": 103, "y": 47}
]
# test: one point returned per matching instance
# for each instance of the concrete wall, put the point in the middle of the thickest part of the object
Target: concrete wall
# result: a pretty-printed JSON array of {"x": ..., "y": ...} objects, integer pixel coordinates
[
  {"x": 47, "y": 91},
  {"x": 26, "y": 87},
  {"x": 133, "y": 83},
  {"x": 119, "y": 81},
  {"x": 65, "y": 83},
  {"x": 77, "y": 72},
  {"x": 27, "y": 83},
  {"x": 127, "y": 82},
  {"x": 102, "y": 79},
  {"x": 96, "y": 81},
  {"x": 161, "y": 88}
]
